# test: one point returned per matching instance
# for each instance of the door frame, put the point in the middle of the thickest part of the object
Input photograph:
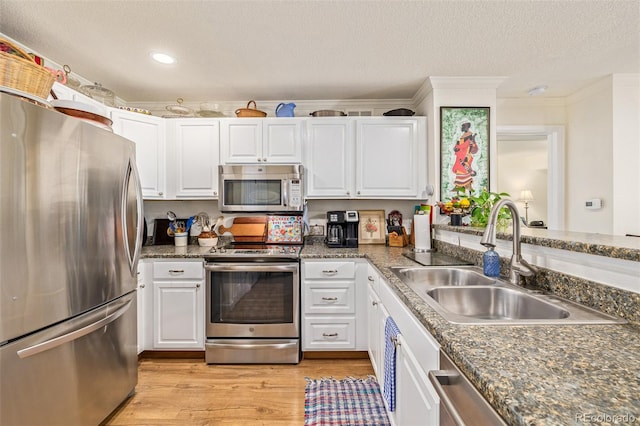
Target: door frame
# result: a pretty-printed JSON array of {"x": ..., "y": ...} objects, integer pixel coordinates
[{"x": 556, "y": 167}]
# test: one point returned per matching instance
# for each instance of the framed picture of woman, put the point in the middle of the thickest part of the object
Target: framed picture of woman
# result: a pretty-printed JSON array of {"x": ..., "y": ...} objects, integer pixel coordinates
[{"x": 464, "y": 150}]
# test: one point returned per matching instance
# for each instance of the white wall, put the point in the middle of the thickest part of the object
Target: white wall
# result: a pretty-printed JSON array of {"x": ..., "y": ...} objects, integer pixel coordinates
[
  {"x": 590, "y": 158},
  {"x": 602, "y": 123},
  {"x": 626, "y": 154}
]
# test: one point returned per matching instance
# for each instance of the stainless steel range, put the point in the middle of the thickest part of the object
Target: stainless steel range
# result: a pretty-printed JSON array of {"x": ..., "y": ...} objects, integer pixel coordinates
[{"x": 253, "y": 304}]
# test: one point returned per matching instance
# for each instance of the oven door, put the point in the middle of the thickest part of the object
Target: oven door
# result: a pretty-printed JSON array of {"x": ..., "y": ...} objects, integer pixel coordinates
[{"x": 253, "y": 300}]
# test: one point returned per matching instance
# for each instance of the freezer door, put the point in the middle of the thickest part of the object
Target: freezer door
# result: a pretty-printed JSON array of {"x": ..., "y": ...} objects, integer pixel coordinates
[
  {"x": 74, "y": 373},
  {"x": 71, "y": 222}
]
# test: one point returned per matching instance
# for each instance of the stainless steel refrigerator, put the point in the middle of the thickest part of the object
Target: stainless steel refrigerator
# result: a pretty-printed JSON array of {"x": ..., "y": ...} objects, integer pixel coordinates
[{"x": 70, "y": 235}]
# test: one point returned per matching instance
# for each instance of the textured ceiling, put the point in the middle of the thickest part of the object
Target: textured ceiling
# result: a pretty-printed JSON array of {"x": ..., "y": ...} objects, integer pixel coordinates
[{"x": 314, "y": 50}]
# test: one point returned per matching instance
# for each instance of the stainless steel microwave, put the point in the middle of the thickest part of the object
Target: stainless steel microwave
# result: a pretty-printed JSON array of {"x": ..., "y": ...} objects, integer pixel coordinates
[{"x": 261, "y": 188}]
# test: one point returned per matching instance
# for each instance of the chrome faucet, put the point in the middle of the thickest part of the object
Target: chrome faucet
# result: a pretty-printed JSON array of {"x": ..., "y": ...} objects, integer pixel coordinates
[{"x": 518, "y": 266}]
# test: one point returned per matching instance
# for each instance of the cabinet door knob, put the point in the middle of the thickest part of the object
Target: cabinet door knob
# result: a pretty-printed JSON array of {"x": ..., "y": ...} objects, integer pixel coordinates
[
  {"x": 358, "y": 192},
  {"x": 197, "y": 285},
  {"x": 160, "y": 193},
  {"x": 370, "y": 278},
  {"x": 264, "y": 159},
  {"x": 141, "y": 285},
  {"x": 259, "y": 160},
  {"x": 374, "y": 303}
]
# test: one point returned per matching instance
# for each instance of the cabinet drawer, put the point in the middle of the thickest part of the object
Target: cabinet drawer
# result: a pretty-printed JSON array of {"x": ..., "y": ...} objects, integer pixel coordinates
[
  {"x": 334, "y": 297},
  {"x": 330, "y": 270},
  {"x": 329, "y": 333},
  {"x": 178, "y": 270}
]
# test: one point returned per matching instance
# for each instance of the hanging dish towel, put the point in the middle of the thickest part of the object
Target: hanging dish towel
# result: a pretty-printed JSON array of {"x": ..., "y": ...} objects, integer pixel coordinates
[{"x": 391, "y": 333}]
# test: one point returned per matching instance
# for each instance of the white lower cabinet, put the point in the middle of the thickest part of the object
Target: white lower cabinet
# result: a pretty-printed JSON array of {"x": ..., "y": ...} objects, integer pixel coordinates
[
  {"x": 178, "y": 305},
  {"x": 416, "y": 399},
  {"x": 334, "y": 313},
  {"x": 417, "y": 402}
]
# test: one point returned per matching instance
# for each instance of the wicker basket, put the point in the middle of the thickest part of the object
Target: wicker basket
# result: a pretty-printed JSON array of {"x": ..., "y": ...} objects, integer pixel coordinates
[
  {"x": 23, "y": 73},
  {"x": 250, "y": 112}
]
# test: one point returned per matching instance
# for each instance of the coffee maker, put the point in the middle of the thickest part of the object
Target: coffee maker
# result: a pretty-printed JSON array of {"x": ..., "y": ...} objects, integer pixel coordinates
[{"x": 342, "y": 228}]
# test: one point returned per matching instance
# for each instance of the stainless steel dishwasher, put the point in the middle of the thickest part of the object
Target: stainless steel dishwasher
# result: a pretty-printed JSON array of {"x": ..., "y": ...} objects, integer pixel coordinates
[{"x": 460, "y": 403}]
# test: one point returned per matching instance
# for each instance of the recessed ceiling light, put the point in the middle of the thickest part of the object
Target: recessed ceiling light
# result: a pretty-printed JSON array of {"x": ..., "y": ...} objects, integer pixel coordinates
[
  {"x": 538, "y": 90},
  {"x": 163, "y": 58}
]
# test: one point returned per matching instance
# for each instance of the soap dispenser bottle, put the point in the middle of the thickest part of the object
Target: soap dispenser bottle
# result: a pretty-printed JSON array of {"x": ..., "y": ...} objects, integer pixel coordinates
[{"x": 491, "y": 263}]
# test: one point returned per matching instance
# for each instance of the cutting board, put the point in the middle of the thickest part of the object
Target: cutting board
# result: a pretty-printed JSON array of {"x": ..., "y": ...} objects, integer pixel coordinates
[{"x": 247, "y": 229}]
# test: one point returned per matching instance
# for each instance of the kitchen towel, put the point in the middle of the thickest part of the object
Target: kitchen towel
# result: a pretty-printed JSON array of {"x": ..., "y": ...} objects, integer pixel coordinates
[{"x": 391, "y": 333}]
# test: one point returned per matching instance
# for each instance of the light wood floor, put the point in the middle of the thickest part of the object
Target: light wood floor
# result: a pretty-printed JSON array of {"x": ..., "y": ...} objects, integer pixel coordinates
[{"x": 190, "y": 392}]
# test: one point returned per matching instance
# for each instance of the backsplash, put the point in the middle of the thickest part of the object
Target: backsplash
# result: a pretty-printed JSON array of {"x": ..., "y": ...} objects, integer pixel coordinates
[
  {"x": 624, "y": 304},
  {"x": 317, "y": 209}
]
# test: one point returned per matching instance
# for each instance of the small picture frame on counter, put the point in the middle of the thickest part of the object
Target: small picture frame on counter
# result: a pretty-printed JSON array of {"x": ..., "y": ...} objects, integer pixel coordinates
[{"x": 372, "y": 227}]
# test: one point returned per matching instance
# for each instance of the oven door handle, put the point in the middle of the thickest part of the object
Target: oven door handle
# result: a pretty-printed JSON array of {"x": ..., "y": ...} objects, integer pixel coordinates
[
  {"x": 235, "y": 346},
  {"x": 253, "y": 267}
]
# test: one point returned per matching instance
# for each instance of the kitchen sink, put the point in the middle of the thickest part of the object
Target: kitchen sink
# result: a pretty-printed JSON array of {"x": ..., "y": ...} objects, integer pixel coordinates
[
  {"x": 463, "y": 295},
  {"x": 443, "y": 276},
  {"x": 495, "y": 303}
]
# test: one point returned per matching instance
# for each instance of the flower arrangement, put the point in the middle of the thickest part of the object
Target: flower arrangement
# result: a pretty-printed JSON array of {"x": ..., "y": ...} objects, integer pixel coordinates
[{"x": 462, "y": 203}]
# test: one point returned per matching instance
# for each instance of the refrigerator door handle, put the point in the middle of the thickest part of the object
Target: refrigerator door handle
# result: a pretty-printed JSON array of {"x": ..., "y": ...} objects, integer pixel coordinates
[
  {"x": 121, "y": 306},
  {"x": 131, "y": 177}
]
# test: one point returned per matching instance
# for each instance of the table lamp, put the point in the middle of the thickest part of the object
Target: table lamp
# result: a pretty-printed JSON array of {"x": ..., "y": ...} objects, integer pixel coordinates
[{"x": 526, "y": 196}]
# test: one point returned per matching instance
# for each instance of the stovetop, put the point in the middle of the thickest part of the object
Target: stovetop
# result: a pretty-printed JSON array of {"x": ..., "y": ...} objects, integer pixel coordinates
[{"x": 255, "y": 251}]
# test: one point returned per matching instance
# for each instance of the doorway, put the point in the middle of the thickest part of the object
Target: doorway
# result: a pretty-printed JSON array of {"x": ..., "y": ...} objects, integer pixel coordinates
[{"x": 522, "y": 144}]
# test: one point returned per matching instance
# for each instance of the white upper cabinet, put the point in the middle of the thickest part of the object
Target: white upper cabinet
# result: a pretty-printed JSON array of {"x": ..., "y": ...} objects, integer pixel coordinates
[
  {"x": 258, "y": 140},
  {"x": 193, "y": 148},
  {"x": 366, "y": 158},
  {"x": 387, "y": 158},
  {"x": 328, "y": 158},
  {"x": 149, "y": 136}
]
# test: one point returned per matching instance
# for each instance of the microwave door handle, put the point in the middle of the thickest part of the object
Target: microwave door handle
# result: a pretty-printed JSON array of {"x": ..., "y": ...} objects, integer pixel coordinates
[{"x": 285, "y": 192}]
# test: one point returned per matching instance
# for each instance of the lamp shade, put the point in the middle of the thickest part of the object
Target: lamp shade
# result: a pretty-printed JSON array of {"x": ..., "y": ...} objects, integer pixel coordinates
[{"x": 526, "y": 195}]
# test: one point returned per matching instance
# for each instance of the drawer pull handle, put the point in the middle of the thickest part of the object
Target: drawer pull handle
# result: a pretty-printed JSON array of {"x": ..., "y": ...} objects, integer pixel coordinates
[
  {"x": 330, "y": 271},
  {"x": 330, "y": 299},
  {"x": 329, "y": 334},
  {"x": 374, "y": 303},
  {"x": 176, "y": 271}
]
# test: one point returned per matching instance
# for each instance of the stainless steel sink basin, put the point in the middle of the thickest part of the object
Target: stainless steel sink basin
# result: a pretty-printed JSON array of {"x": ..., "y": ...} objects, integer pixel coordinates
[
  {"x": 463, "y": 295},
  {"x": 443, "y": 276},
  {"x": 495, "y": 303}
]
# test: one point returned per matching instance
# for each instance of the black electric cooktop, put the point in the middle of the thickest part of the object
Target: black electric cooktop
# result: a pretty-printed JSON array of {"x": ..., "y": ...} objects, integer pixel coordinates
[{"x": 435, "y": 259}]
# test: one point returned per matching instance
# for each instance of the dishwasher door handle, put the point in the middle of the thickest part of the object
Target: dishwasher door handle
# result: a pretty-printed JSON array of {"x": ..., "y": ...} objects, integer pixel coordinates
[
  {"x": 440, "y": 378},
  {"x": 460, "y": 402}
]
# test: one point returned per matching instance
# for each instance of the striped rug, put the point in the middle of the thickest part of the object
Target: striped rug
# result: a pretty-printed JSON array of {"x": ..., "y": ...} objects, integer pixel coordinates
[{"x": 349, "y": 401}]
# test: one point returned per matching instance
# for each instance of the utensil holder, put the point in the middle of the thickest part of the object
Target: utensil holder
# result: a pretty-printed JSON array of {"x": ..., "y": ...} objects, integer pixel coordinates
[{"x": 181, "y": 239}]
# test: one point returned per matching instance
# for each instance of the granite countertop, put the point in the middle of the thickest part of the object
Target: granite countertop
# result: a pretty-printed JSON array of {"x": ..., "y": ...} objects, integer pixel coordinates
[
  {"x": 531, "y": 375},
  {"x": 616, "y": 246}
]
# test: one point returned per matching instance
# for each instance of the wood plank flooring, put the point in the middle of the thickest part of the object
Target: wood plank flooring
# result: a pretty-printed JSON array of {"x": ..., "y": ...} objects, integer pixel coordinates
[{"x": 190, "y": 392}]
